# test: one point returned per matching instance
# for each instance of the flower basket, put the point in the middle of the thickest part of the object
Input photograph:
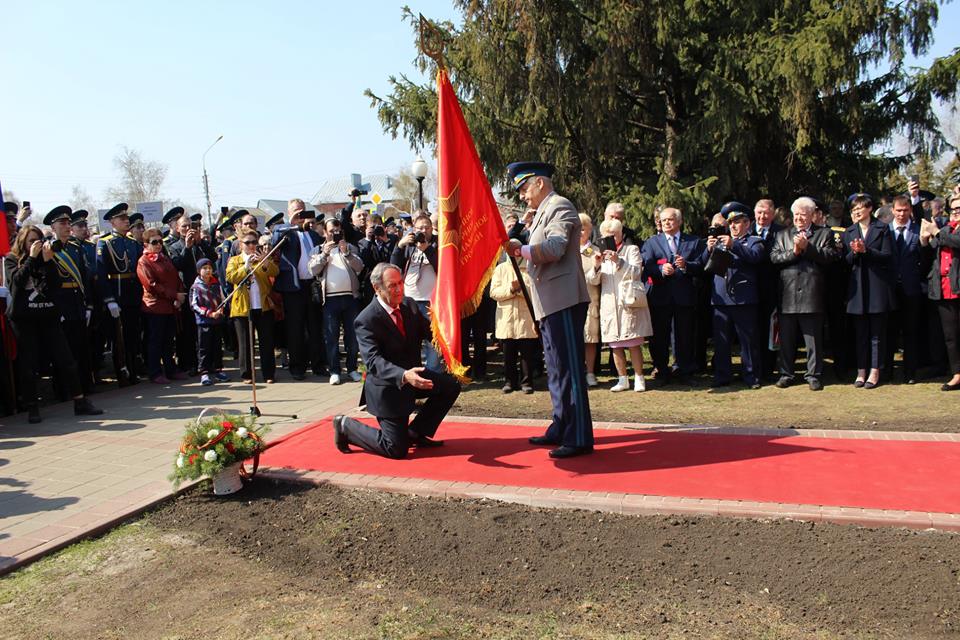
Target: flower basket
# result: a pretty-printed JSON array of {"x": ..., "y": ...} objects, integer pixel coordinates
[{"x": 215, "y": 446}]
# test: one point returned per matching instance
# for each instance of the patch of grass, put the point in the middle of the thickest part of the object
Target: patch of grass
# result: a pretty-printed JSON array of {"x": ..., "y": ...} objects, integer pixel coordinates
[{"x": 890, "y": 407}]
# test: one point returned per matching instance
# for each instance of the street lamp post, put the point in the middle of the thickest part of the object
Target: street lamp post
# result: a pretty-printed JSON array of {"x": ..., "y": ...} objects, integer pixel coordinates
[
  {"x": 419, "y": 171},
  {"x": 206, "y": 183}
]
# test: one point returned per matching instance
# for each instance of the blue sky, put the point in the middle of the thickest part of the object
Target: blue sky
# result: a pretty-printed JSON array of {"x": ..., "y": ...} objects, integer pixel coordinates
[{"x": 282, "y": 81}]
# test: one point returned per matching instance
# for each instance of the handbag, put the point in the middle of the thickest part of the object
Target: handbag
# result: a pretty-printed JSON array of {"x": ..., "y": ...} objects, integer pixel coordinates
[
  {"x": 633, "y": 293},
  {"x": 718, "y": 262}
]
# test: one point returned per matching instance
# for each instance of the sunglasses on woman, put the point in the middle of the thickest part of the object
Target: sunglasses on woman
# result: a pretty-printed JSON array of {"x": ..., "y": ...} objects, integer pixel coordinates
[
  {"x": 249, "y": 242},
  {"x": 154, "y": 242}
]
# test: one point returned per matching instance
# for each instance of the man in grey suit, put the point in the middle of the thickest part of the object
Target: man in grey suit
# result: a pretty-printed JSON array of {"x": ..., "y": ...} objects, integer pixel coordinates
[{"x": 560, "y": 300}]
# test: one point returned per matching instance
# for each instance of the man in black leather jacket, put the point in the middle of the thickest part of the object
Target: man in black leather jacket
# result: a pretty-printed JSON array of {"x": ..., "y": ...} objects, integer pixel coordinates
[{"x": 801, "y": 251}]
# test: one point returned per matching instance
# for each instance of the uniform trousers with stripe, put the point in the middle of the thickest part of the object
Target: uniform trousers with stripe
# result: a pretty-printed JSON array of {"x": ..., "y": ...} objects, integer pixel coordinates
[{"x": 562, "y": 333}]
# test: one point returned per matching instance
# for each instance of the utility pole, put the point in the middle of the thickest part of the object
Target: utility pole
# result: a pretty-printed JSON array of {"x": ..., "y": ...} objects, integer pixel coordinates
[{"x": 206, "y": 184}]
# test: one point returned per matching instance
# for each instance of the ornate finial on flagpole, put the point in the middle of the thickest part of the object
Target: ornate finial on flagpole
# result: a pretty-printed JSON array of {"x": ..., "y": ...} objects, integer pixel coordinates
[{"x": 432, "y": 41}]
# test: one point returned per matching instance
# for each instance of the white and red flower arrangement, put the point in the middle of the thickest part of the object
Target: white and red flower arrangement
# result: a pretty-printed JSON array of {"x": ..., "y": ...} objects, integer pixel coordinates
[{"x": 212, "y": 444}]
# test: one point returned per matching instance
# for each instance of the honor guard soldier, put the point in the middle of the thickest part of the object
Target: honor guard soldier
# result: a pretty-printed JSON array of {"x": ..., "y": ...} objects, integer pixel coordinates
[
  {"x": 80, "y": 231},
  {"x": 72, "y": 295},
  {"x": 223, "y": 253},
  {"x": 274, "y": 221},
  {"x": 117, "y": 257}
]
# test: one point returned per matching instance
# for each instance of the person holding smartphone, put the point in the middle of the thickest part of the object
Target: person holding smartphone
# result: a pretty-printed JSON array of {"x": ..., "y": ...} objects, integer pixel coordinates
[{"x": 252, "y": 308}]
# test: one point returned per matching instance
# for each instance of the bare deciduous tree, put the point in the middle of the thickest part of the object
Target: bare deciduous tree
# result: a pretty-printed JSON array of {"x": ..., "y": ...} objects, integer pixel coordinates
[{"x": 140, "y": 180}]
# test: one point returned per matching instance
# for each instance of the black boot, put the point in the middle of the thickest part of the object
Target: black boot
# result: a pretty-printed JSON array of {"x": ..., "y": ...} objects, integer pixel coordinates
[
  {"x": 33, "y": 413},
  {"x": 83, "y": 407}
]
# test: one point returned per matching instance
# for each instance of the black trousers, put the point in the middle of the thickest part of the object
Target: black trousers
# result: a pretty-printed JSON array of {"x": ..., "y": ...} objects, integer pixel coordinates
[
  {"x": 870, "y": 329},
  {"x": 39, "y": 341},
  {"x": 209, "y": 348},
  {"x": 263, "y": 325},
  {"x": 391, "y": 440},
  {"x": 187, "y": 340},
  {"x": 767, "y": 358},
  {"x": 810, "y": 326},
  {"x": 683, "y": 322},
  {"x": 525, "y": 348},
  {"x": 473, "y": 332},
  {"x": 132, "y": 341},
  {"x": 949, "y": 311},
  {"x": 75, "y": 328},
  {"x": 303, "y": 318},
  {"x": 903, "y": 329}
]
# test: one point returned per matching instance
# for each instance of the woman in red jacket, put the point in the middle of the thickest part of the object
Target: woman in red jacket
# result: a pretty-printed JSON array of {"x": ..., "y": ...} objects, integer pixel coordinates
[{"x": 163, "y": 296}]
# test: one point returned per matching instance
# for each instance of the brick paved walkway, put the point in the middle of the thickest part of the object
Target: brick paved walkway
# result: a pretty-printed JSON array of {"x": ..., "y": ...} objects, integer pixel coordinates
[{"x": 68, "y": 477}]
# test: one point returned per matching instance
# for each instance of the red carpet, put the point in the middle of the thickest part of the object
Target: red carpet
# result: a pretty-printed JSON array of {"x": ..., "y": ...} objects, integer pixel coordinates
[{"x": 872, "y": 474}]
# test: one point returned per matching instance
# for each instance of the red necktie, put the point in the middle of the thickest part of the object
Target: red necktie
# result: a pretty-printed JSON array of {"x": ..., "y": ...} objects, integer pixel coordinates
[{"x": 399, "y": 320}]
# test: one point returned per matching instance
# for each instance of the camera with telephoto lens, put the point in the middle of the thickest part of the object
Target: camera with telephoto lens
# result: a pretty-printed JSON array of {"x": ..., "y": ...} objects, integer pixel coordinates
[
  {"x": 358, "y": 192},
  {"x": 56, "y": 245},
  {"x": 337, "y": 236},
  {"x": 419, "y": 237},
  {"x": 379, "y": 231}
]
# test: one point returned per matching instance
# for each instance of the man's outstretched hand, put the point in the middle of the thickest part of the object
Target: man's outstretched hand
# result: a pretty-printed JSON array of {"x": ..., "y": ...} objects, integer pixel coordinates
[{"x": 413, "y": 378}]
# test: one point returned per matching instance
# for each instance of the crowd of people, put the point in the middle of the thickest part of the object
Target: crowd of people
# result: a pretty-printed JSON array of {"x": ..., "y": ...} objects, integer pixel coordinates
[{"x": 167, "y": 303}]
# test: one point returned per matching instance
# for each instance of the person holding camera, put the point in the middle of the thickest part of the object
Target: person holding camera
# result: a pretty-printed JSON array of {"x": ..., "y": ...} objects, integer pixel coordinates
[
  {"x": 376, "y": 247},
  {"x": 624, "y": 315},
  {"x": 336, "y": 265},
  {"x": 416, "y": 255},
  {"x": 736, "y": 295},
  {"x": 251, "y": 308},
  {"x": 671, "y": 260},
  {"x": 35, "y": 315},
  {"x": 303, "y": 313},
  {"x": 801, "y": 252},
  {"x": 353, "y": 218}
]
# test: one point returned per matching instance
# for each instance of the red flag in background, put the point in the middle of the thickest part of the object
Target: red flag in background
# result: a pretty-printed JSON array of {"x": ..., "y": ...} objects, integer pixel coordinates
[{"x": 471, "y": 232}]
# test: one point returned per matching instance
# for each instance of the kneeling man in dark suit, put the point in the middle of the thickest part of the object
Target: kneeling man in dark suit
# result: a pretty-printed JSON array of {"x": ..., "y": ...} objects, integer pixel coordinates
[{"x": 389, "y": 332}]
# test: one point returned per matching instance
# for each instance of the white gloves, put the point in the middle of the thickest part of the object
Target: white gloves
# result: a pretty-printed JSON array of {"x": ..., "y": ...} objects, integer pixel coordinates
[{"x": 114, "y": 309}]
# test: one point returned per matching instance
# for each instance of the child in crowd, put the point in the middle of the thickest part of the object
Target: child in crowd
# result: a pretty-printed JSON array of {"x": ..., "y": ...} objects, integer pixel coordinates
[
  {"x": 205, "y": 298},
  {"x": 514, "y": 328}
]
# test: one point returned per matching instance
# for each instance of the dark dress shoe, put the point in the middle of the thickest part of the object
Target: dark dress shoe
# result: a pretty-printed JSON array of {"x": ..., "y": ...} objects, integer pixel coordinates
[
  {"x": 33, "y": 414},
  {"x": 858, "y": 383},
  {"x": 910, "y": 381},
  {"x": 871, "y": 385},
  {"x": 527, "y": 389},
  {"x": 570, "y": 452},
  {"x": 507, "y": 388},
  {"x": 423, "y": 442},
  {"x": 784, "y": 382},
  {"x": 541, "y": 441},
  {"x": 950, "y": 387},
  {"x": 83, "y": 407},
  {"x": 755, "y": 385},
  {"x": 815, "y": 384},
  {"x": 339, "y": 437}
]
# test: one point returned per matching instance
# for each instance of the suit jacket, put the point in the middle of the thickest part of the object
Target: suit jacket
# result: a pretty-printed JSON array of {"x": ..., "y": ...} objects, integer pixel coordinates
[
  {"x": 387, "y": 354},
  {"x": 802, "y": 278},
  {"x": 740, "y": 284},
  {"x": 288, "y": 278},
  {"x": 680, "y": 288},
  {"x": 908, "y": 271},
  {"x": 945, "y": 239},
  {"x": 554, "y": 264},
  {"x": 870, "y": 284}
]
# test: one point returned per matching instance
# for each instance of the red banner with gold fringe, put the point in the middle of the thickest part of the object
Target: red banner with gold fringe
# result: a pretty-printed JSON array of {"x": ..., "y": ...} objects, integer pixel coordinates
[{"x": 471, "y": 232}]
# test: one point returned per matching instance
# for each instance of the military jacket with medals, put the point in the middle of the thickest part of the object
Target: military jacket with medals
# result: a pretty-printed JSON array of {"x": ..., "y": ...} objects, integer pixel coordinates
[
  {"x": 72, "y": 289},
  {"x": 225, "y": 251},
  {"x": 117, "y": 280}
]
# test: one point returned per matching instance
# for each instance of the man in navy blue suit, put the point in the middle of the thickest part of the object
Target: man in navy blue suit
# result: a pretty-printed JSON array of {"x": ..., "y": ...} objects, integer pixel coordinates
[
  {"x": 768, "y": 281},
  {"x": 735, "y": 297},
  {"x": 389, "y": 332},
  {"x": 671, "y": 259},
  {"x": 904, "y": 326}
]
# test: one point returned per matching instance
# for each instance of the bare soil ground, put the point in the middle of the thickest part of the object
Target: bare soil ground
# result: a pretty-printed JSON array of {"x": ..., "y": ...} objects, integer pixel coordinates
[{"x": 288, "y": 561}]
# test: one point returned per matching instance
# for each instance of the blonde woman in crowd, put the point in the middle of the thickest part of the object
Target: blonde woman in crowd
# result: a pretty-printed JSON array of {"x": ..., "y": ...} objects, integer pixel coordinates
[
  {"x": 591, "y": 330},
  {"x": 624, "y": 316},
  {"x": 514, "y": 326}
]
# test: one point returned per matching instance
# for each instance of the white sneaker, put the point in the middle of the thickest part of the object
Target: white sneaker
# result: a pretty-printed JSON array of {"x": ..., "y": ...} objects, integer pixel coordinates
[
  {"x": 592, "y": 380},
  {"x": 623, "y": 384},
  {"x": 639, "y": 384},
  {"x": 334, "y": 378},
  {"x": 355, "y": 376}
]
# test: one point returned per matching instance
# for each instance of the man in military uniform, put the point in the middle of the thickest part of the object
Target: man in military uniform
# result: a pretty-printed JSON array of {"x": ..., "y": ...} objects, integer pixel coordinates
[
  {"x": 117, "y": 257},
  {"x": 172, "y": 219},
  {"x": 73, "y": 295},
  {"x": 80, "y": 232},
  {"x": 224, "y": 252}
]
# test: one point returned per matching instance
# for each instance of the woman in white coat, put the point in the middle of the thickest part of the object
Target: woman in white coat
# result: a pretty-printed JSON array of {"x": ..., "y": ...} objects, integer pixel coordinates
[{"x": 622, "y": 327}]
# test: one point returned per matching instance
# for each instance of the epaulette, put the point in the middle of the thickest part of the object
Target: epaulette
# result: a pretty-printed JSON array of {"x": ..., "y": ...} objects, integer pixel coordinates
[{"x": 107, "y": 237}]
